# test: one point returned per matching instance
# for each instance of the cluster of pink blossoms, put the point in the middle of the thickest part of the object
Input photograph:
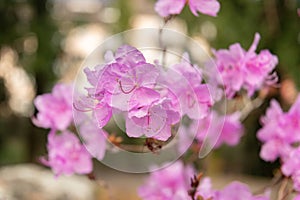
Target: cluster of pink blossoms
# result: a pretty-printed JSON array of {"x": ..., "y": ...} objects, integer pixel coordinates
[
  {"x": 166, "y": 8},
  {"x": 241, "y": 69},
  {"x": 149, "y": 96},
  {"x": 280, "y": 137},
  {"x": 220, "y": 129},
  {"x": 173, "y": 183},
  {"x": 66, "y": 154},
  {"x": 214, "y": 130}
]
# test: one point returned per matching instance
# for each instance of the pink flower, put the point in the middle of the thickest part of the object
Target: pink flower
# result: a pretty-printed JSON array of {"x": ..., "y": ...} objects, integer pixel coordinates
[
  {"x": 207, "y": 7},
  {"x": 148, "y": 96},
  {"x": 280, "y": 137},
  {"x": 241, "y": 69},
  {"x": 218, "y": 129},
  {"x": 237, "y": 191},
  {"x": 66, "y": 155},
  {"x": 55, "y": 109},
  {"x": 194, "y": 96},
  {"x": 279, "y": 129},
  {"x": 205, "y": 190},
  {"x": 94, "y": 138},
  {"x": 150, "y": 115},
  {"x": 114, "y": 82},
  {"x": 172, "y": 182},
  {"x": 170, "y": 7},
  {"x": 270, "y": 150},
  {"x": 291, "y": 163}
]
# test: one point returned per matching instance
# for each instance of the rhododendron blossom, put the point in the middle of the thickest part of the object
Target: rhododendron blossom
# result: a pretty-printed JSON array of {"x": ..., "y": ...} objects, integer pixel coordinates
[
  {"x": 220, "y": 129},
  {"x": 238, "y": 191},
  {"x": 151, "y": 101},
  {"x": 55, "y": 109},
  {"x": 170, "y": 7},
  {"x": 241, "y": 69},
  {"x": 173, "y": 182},
  {"x": 94, "y": 138},
  {"x": 279, "y": 128},
  {"x": 169, "y": 183},
  {"x": 213, "y": 130},
  {"x": 193, "y": 96},
  {"x": 66, "y": 155},
  {"x": 280, "y": 137}
]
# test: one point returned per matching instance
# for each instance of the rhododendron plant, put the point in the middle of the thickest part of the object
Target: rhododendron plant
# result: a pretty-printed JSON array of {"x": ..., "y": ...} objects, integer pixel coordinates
[{"x": 164, "y": 104}]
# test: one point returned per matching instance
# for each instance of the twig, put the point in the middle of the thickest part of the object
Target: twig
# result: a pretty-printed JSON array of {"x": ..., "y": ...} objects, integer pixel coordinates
[
  {"x": 164, "y": 48},
  {"x": 276, "y": 180},
  {"x": 281, "y": 193},
  {"x": 250, "y": 106}
]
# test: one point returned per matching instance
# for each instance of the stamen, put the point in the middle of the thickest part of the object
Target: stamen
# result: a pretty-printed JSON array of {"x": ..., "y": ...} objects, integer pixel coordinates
[
  {"x": 80, "y": 110},
  {"x": 126, "y": 92}
]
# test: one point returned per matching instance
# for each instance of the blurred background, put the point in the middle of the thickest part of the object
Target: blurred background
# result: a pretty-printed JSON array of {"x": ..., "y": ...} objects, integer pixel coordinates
[{"x": 45, "y": 41}]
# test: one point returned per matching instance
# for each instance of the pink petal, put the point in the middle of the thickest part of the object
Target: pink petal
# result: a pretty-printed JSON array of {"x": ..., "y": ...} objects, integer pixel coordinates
[
  {"x": 169, "y": 7},
  {"x": 208, "y": 7},
  {"x": 103, "y": 113}
]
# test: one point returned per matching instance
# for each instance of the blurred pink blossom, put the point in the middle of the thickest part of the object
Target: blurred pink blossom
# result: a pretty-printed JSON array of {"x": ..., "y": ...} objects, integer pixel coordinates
[
  {"x": 241, "y": 69},
  {"x": 55, "y": 109},
  {"x": 66, "y": 155},
  {"x": 170, "y": 183},
  {"x": 170, "y": 7}
]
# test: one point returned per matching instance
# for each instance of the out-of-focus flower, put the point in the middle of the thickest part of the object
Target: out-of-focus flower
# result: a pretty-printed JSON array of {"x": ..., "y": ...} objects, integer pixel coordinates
[
  {"x": 241, "y": 69},
  {"x": 170, "y": 183},
  {"x": 214, "y": 130},
  {"x": 173, "y": 183},
  {"x": 194, "y": 96},
  {"x": 55, "y": 109},
  {"x": 94, "y": 138},
  {"x": 237, "y": 191},
  {"x": 281, "y": 129},
  {"x": 204, "y": 190},
  {"x": 66, "y": 155},
  {"x": 220, "y": 129},
  {"x": 170, "y": 7},
  {"x": 280, "y": 137}
]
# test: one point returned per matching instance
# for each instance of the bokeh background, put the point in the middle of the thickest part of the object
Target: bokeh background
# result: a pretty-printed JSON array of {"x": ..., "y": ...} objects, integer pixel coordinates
[{"x": 45, "y": 41}]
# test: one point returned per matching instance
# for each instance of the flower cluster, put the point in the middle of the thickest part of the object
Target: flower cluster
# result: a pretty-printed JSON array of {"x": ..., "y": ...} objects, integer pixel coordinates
[
  {"x": 66, "y": 154},
  {"x": 166, "y": 8},
  {"x": 55, "y": 109},
  {"x": 153, "y": 99},
  {"x": 280, "y": 137},
  {"x": 169, "y": 183},
  {"x": 147, "y": 95},
  {"x": 218, "y": 129},
  {"x": 241, "y": 69},
  {"x": 213, "y": 130},
  {"x": 173, "y": 182}
]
